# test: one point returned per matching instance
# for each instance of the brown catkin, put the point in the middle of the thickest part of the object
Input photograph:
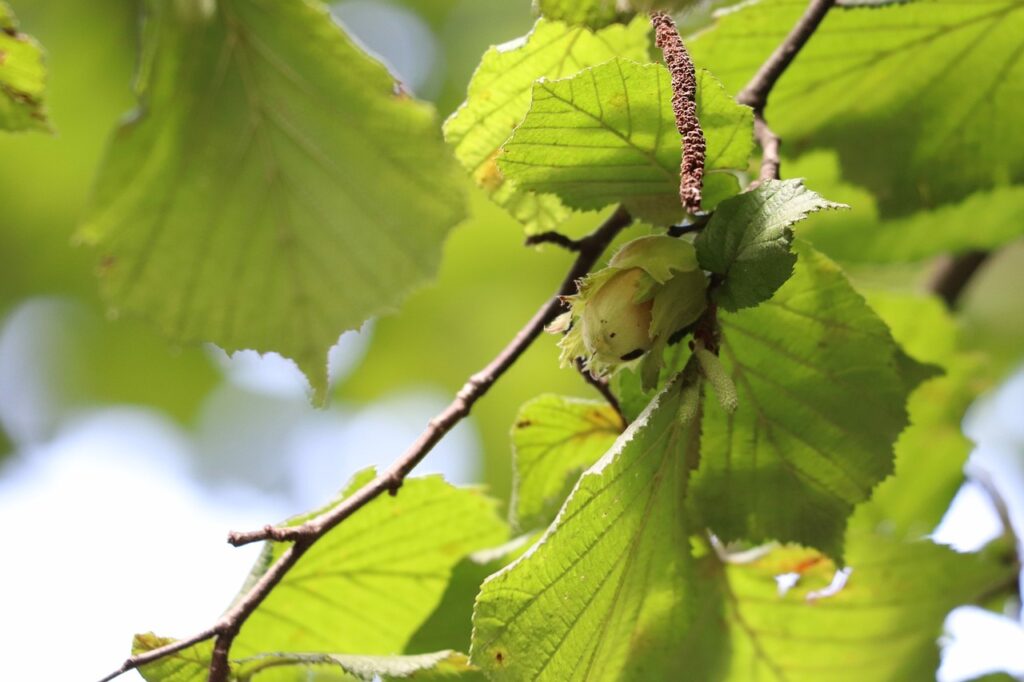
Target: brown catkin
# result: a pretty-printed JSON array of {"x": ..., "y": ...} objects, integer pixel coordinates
[{"x": 684, "y": 105}]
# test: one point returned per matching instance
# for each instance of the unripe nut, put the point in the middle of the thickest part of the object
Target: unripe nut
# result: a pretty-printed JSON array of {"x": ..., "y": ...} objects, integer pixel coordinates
[{"x": 615, "y": 326}]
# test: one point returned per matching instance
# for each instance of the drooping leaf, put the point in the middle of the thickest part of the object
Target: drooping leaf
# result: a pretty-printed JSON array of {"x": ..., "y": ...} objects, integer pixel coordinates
[
  {"x": 882, "y": 625},
  {"x": 608, "y": 135},
  {"x": 931, "y": 452},
  {"x": 917, "y": 97},
  {"x": 604, "y": 594},
  {"x": 499, "y": 97},
  {"x": 22, "y": 77},
  {"x": 748, "y": 239},
  {"x": 367, "y": 585},
  {"x": 554, "y": 439},
  {"x": 251, "y": 199},
  {"x": 821, "y": 403},
  {"x": 440, "y": 665}
]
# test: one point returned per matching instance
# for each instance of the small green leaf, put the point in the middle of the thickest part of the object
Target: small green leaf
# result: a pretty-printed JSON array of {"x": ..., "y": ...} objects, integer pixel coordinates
[
  {"x": 883, "y": 624},
  {"x": 404, "y": 547},
  {"x": 916, "y": 97},
  {"x": 554, "y": 440},
  {"x": 251, "y": 200},
  {"x": 22, "y": 77},
  {"x": 499, "y": 97},
  {"x": 608, "y": 135},
  {"x": 748, "y": 240},
  {"x": 603, "y": 595},
  {"x": 188, "y": 665},
  {"x": 821, "y": 403},
  {"x": 440, "y": 665}
]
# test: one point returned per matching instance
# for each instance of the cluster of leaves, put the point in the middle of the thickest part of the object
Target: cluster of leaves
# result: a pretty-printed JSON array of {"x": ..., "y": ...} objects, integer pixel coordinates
[{"x": 251, "y": 202}]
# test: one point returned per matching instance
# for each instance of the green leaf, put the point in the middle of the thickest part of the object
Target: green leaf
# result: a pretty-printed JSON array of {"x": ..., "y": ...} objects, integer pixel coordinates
[
  {"x": 598, "y": 13},
  {"x": 986, "y": 219},
  {"x": 22, "y": 77},
  {"x": 440, "y": 665},
  {"x": 188, "y": 665},
  {"x": 553, "y": 441},
  {"x": 593, "y": 13},
  {"x": 931, "y": 452},
  {"x": 608, "y": 135},
  {"x": 603, "y": 595},
  {"x": 250, "y": 201},
  {"x": 499, "y": 97},
  {"x": 628, "y": 384},
  {"x": 883, "y": 625},
  {"x": 821, "y": 403},
  {"x": 450, "y": 625},
  {"x": 368, "y": 584},
  {"x": 748, "y": 240},
  {"x": 914, "y": 96}
]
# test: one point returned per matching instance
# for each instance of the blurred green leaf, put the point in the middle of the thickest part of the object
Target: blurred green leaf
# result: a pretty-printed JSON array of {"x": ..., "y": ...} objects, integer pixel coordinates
[
  {"x": 608, "y": 135},
  {"x": 603, "y": 595},
  {"x": 554, "y": 440},
  {"x": 404, "y": 547},
  {"x": 883, "y": 625},
  {"x": 748, "y": 240},
  {"x": 821, "y": 403},
  {"x": 499, "y": 97},
  {"x": 931, "y": 452},
  {"x": 916, "y": 97},
  {"x": 592, "y": 13},
  {"x": 251, "y": 200},
  {"x": 22, "y": 77},
  {"x": 986, "y": 219}
]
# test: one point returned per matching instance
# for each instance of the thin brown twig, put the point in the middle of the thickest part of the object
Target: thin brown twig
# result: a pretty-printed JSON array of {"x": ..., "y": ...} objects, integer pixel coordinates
[
  {"x": 601, "y": 384},
  {"x": 305, "y": 535},
  {"x": 552, "y": 237},
  {"x": 755, "y": 93},
  {"x": 954, "y": 273},
  {"x": 684, "y": 106}
]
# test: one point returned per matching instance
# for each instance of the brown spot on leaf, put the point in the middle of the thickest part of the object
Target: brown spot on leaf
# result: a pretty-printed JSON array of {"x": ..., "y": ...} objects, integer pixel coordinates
[{"x": 523, "y": 423}]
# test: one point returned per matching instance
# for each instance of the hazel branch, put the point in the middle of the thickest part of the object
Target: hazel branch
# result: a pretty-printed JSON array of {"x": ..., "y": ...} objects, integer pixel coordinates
[{"x": 755, "y": 93}]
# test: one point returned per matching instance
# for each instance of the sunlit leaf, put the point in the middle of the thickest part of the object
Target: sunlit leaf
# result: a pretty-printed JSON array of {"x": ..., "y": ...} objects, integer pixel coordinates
[
  {"x": 882, "y": 625},
  {"x": 499, "y": 97},
  {"x": 553, "y": 440},
  {"x": 367, "y": 585},
  {"x": 608, "y": 135},
  {"x": 917, "y": 97},
  {"x": 22, "y": 77},
  {"x": 251, "y": 200},
  {"x": 821, "y": 403},
  {"x": 747, "y": 242},
  {"x": 603, "y": 595}
]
